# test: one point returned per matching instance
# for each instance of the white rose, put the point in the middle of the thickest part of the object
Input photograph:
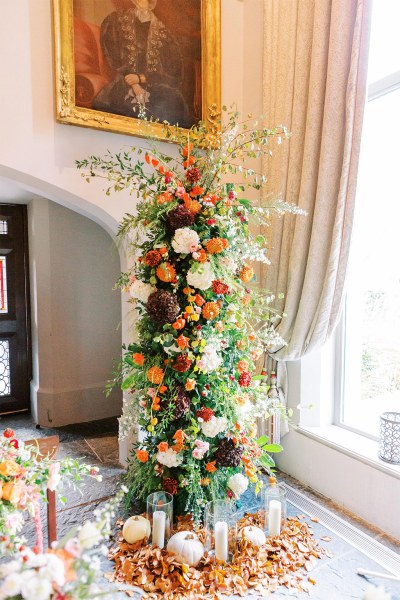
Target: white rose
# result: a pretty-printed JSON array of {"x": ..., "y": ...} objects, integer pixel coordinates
[
  {"x": 141, "y": 290},
  {"x": 54, "y": 570},
  {"x": 11, "y": 586},
  {"x": 210, "y": 359},
  {"x": 238, "y": 484},
  {"x": 214, "y": 426},
  {"x": 185, "y": 240},
  {"x": 170, "y": 458},
  {"x": 35, "y": 587},
  {"x": 201, "y": 276},
  {"x": 89, "y": 535},
  {"x": 227, "y": 262}
]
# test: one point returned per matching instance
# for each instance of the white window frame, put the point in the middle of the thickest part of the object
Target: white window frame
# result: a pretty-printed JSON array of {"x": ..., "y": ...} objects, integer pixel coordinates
[{"x": 376, "y": 89}]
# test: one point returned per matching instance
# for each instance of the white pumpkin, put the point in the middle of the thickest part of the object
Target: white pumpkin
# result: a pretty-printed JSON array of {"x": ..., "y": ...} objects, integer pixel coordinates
[
  {"x": 135, "y": 529},
  {"x": 186, "y": 547},
  {"x": 254, "y": 535}
]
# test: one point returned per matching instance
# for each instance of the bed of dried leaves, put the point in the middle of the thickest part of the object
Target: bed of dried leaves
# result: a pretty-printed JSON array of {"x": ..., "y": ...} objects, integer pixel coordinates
[{"x": 284, "y": 560}]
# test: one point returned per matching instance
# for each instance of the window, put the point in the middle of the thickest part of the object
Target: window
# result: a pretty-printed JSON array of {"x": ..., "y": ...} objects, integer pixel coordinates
[{"x": 371, "y": 372}]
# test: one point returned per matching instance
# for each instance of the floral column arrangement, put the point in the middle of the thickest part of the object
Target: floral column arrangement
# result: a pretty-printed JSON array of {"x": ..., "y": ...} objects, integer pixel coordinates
[{"x": 189, "y": 380}]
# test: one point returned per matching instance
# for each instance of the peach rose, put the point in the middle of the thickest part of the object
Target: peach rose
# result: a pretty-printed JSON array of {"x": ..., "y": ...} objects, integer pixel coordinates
[
  {"x": 13, "y": 492},
  {"x": 9, "y": 468}
]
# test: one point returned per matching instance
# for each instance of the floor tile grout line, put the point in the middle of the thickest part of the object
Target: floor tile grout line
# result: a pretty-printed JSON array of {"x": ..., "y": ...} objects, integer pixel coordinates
[{"x": 93, "y": 450}]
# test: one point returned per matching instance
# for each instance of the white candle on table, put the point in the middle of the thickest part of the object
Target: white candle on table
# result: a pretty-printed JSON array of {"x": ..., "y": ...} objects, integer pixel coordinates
[
  {"x": 158, "y": 532},
  {"x": 221, "y": 540},
  {"x": 274, "y": 518}
]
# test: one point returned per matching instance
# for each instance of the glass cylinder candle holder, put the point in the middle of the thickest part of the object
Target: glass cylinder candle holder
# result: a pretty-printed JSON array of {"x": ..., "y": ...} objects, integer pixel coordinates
[
  {"x": 275, "y": 506},
  {"x": 220, "y": 522},
  {"x": 160, "y": 514}
]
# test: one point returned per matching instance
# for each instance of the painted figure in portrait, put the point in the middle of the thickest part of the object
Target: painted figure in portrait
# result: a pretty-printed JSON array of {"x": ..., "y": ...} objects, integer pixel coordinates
[{"x": 139, "y": 58}]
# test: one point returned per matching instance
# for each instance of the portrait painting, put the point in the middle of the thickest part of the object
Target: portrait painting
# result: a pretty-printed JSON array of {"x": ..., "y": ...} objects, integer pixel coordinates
[{"x": 120, "y": 63}]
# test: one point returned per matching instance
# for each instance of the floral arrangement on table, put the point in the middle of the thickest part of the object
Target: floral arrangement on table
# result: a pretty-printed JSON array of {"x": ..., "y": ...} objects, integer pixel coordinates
[
  {"x": 190, "y": 381},
  {"x": 68, "y": 571},
  {"x": 25, "y": 476}
]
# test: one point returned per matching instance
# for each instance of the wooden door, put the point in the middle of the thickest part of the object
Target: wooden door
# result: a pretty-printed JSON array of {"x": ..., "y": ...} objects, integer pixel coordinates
[{"x": 15, "y": 347}]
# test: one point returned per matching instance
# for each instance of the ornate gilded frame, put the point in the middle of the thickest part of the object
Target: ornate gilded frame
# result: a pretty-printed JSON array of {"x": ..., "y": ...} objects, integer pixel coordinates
[{"x": 68, "y": 112}]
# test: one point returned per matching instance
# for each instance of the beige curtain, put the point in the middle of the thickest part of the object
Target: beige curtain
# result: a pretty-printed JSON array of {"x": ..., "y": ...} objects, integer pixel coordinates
[{"x": 314, "y": 83}]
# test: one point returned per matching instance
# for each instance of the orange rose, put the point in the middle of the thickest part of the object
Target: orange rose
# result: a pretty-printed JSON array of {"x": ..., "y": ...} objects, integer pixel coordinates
[
  {"x": 142, "y": 456},
  {"x": 242, "y": 366},
  {"x": 13, "y": 492},
  {"x": 197, "y": 191},
  {"x": 182, "y": 341},
  {"x": 138, "y": 359},
  {"x": 163, "y": 389},
  {"x": 190, "y": 384},
  {"x": 179, "y": 436},
  {"x": 9, "y": 468},
  {"x": 210, "y": 467},
  {"x": 163, "y": 446}
]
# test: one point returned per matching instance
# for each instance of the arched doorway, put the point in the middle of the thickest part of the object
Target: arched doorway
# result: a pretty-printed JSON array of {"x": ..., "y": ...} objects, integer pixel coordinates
[{"x": 75, "y": 313}]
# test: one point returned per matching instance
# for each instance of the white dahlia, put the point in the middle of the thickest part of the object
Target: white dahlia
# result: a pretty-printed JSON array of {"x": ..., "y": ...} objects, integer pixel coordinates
[
  {"x": 214, "y": 426},
  {"x": 238, "y": 484},
  {"x": 170, "y": 458},
  {"x": 185, "y": 240},
  {"x": 141, "y": 290},
  {"x": 201, "y": 276}
]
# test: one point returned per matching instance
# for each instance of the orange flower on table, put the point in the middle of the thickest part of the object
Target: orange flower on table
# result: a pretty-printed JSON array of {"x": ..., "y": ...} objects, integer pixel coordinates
[
  {"x": 147, "y": 158},
  {"x": 163, "y": 251},
  {"x": 242, "y": 366},
  {"x": 189, "y": 310},
  {"x": 252, "y": 337},
  {"x": 163, "y": 389},
  {"x": 142, "y": 456},
  {"x": 210, "y": 467},
  {"x": 166, "y": 272},
  {"x": 161, "y": 170},
  {"x": 9, "y": 468},
  {"x": 13, "y": 492},
  {"x": 155, "y": 375},
  {"x": 163, "y": 446},
  {"x": 211, "y": 310},
  {"x": 182, "y": 341},
  {"x": 178, "y": 447},
  {"x": 193, "y": 205},
  {"x": 190, "y": 384},
  {"x": 197, "y": 191},
  {"x": 238, "y": 426},
  {"x": 155, "y": 162},
  {"x": 138, "y": 359}
]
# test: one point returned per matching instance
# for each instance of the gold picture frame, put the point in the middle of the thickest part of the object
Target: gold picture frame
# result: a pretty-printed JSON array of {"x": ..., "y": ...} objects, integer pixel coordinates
[{"x": 69, "y": 111}]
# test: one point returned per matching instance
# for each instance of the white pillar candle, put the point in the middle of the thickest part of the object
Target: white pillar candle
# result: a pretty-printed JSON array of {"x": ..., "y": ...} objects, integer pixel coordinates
[
  {"x": 274, "y": 518},
  {"x": 158, "y": 531},
  {"x": 221, "y": 540}
]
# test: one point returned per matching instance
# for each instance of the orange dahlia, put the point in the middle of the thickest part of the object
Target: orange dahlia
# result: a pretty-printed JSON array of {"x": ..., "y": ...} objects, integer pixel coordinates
[
  {"x": 210, "y": 310},
  {"x": 246, "y": 274},
  {"x": 193, "y": 206},
  {"x": 138, "y": 359},
  {"x": 155, "y": 375},
  {"x": 216, "y": 245},
  {"x": 166, "y": 272}
]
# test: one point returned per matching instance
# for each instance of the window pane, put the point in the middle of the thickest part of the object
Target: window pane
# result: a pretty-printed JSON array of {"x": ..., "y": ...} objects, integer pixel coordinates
[
  {"x": 5, "y": 389},
  {"x": 372, "y": 358},
  {"x": 3, "y": 285},
  {"x": 385, "y": 40},
  {"x": 3, "y": 226}
]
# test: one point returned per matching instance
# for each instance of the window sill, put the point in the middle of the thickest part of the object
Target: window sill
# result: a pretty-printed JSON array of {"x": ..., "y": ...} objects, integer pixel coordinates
[{"x": 352, "y": 444}]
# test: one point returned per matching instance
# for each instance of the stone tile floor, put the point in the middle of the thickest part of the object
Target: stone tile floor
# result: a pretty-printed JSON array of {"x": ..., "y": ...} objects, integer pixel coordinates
[{"x": 96, "y": 443}]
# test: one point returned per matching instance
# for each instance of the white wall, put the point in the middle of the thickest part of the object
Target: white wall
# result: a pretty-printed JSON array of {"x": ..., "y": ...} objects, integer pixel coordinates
[
  {"x": 76, "y": 315},
  {"x": 40, "y": 153}
]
